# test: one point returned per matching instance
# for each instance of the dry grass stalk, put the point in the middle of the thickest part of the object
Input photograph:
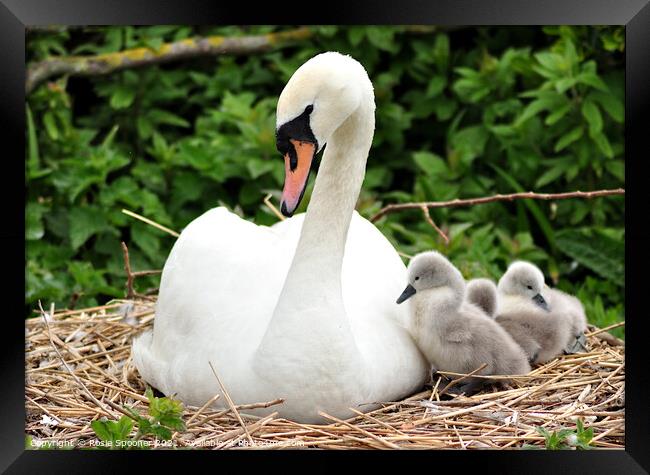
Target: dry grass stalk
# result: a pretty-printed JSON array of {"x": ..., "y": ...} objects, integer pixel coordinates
[{"x": 73, "y": 355}]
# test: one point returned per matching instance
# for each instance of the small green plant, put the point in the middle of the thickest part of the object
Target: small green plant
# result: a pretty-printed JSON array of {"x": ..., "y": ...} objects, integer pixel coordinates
[
  {"x": 165, "y": 416},
  {"x": 113, "y": 433},
  {"x": 565, "y": 439}
]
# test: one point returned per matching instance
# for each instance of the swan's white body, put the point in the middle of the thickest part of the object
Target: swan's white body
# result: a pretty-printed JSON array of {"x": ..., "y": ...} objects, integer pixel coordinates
[{"x": 303, "y": 310}]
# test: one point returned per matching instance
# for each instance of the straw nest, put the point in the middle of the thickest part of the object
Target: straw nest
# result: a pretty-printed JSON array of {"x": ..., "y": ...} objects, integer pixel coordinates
[{"x": 79, "y": 368}]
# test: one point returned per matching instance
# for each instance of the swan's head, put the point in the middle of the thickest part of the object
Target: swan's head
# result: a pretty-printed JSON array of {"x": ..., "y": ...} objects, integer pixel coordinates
[
  {"x": 318, "y": 98},
  {"x": 483, "y": 292},
  {"x": 524, "y": 279},
  {"x": 431, "y": 270}
]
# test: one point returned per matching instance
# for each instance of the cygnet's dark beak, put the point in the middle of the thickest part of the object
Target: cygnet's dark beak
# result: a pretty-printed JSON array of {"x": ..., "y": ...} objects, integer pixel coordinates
[
  {"x": 539, "y": 300},
  {"x": 409, "y": 291}
]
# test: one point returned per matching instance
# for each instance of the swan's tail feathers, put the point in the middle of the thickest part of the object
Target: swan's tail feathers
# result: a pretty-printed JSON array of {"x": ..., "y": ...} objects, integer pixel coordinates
[{"x": 150, "y": 367}]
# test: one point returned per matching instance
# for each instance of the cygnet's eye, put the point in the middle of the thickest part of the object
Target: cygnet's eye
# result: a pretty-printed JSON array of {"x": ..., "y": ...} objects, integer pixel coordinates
[
  {"x": 417, "y": 278},
  {"x": 530, "y": 287}
]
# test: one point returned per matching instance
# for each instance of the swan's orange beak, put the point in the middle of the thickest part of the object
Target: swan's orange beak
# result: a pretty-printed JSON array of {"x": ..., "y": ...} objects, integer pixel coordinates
[{"x": 297, "y": 163}]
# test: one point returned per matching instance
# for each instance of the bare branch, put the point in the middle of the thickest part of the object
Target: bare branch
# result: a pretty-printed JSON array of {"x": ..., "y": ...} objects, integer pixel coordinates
[
  {"x": 130, "y": 292},
  {"x": 183, "y": 49},
  {"x": 216, "y": 45},
  {"x": 429, "y": 219},
  {"x": 130, "y": 276},
  {"x": 491, "y": 199}
]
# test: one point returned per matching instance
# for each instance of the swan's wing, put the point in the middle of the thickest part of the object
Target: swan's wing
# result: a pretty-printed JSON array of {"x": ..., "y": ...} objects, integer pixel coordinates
[
  {"x": 373, "y": 277},
  {"x": 373, "y": 273},
  {"x": 218, "y": 290}
]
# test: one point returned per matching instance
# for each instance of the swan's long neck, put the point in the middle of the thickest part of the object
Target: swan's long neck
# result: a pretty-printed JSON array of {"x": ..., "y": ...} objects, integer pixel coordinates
[
  {"x": 319, "y": 254},
  {"x": 309, "y": 318}
]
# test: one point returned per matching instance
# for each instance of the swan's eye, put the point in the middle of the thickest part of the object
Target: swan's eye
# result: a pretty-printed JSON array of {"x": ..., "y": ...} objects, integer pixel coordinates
[
  {"x": 417, "y": 278},
  {"x": 309, "y": 109},
  {"x": 530, "y": 287},
  {"x": 293, "y": 157}
]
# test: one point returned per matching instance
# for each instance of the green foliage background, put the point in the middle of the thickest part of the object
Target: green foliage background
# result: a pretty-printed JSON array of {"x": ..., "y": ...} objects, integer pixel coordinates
[{"x": 461, "y": 113}]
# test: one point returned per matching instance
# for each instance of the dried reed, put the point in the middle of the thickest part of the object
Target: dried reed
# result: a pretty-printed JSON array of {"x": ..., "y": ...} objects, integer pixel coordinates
[{"x": 96, "y": 347}]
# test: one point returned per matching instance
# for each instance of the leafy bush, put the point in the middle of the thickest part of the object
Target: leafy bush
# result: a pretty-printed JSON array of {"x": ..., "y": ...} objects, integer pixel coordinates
[{"x": 461, "y": 113}]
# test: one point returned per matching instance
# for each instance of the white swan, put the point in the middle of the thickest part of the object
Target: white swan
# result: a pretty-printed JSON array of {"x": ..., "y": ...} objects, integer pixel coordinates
[{"x": 303, "y": 310}]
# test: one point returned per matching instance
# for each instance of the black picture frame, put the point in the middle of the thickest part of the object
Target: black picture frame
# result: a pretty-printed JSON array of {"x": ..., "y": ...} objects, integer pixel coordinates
[{"x": 15, "y": 15}]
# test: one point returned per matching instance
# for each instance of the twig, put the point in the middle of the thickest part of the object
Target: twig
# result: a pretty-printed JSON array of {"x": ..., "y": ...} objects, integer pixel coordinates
[
  {"x": 429, "y": 220},
  {"x": 388, "y": 444},
  {"x": 130, "y": 292},
  {"x": 610, "y": 327},
  {"x": 142, "y": 273},
  {"x": 150, "y": 222},
  {"x": 231, "y": 403},
  {"x": 274, "y": 210},
  {"x": 194, "y": 416},
  {"x": 107, "y": 63},
  {"x": 491, "y": 199},
  {"x": 253, "y": 427},
  {"x": 240, "y": 407}
]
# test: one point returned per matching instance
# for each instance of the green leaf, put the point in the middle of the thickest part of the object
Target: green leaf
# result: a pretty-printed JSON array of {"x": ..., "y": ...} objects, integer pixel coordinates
[
  {"x": 603, "y": 144},
  {"x": 161, "y": 432},
  {"x": 550, "y": 175},
  {"x": 50, "y": 125},
  {"x": 444, "y": 107},
  {"x": 560, "y": 112},
  {"x": 549, "y": 101},
  {"x": 616, "y": 168},
  {"x": 160, "y": 116},
  {"x": 441, "y": 50},
  {"x": 382, "y": 38},
  {"x": 596, "y": 251},
  {"x": 568, "y": 138},
  {"x": 144, "y": 126},
  {"x": 592, "y": 79},
  {"x": 172, "y": 421},
  {"x": 147, "y": 240},
  {"x": 436, "y": 86},
  {"x": 553, "y": 62},
  {"x": 561, "y": 85},
  {"x": 534, "y": 209},
  {"x": 103, "y": 429},
  {"x": 32, "y": 142},
  {"x": 84, "y": 223},
  {"x": 122, "y": 97},
  {"x": 123, "y": 428},
  {"x": 356, "y": 34},
  {"x": 258, "y": 167},
  {"x": 592, "y": 114},
  {"x": 110, "y": 136},
  {"x": 610, "y": 104},
  {"x": 34, "y": 229},
  {"x": 430, "y": 163},
  {"x": 469, "y": 143}
]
